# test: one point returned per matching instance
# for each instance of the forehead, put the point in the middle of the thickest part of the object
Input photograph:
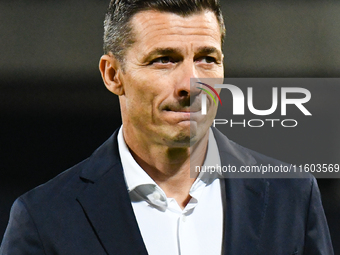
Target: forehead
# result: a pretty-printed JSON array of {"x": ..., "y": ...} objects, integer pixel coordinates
[{"x": 153, "y": 27}]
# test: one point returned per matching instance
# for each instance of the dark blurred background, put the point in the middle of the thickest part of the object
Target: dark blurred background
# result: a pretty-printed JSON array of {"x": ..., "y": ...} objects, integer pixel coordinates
[{"x": 55, "y": 110}]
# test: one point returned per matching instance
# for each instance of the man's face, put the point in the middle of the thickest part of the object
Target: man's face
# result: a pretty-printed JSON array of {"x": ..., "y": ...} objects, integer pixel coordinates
[{"x": 168, "y": 51}]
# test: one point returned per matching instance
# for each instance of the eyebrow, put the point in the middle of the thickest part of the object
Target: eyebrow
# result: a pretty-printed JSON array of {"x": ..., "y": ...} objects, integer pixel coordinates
[
  {"x": 204, "y": 50},
  {"x": 162, "y": 51},
  {"x": 208, "y": 50}
]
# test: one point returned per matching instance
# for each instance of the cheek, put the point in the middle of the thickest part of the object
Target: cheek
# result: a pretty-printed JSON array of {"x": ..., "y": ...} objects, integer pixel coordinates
[
  {"x": 144, "y": 95},
  {"x": 139, "y": 104},
  {"x": 145, "y": 90}
]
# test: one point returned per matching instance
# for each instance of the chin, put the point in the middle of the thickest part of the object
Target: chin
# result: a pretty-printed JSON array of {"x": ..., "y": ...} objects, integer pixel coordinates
[
  {"x": 185, "y": 134},
  {"x": 179, "y": 138},
  {"x": 197, "y": 132}
]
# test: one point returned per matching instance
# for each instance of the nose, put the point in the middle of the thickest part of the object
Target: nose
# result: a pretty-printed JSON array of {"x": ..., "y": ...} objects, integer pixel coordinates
[{"x": 186, "y": 81}]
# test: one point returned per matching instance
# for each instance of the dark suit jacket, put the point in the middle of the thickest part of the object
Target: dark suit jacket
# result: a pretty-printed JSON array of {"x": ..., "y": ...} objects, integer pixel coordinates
[{"x": 87, "y": 210}]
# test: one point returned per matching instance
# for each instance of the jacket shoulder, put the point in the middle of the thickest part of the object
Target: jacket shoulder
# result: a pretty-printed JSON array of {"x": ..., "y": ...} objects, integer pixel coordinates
[{"x": 67, "y": 183}]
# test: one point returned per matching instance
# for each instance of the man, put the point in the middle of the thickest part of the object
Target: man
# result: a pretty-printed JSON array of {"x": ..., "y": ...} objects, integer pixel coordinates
[{"x": 134, "y": 195}]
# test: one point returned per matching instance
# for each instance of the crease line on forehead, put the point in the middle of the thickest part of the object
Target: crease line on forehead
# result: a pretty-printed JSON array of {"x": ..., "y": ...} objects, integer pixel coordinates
[
  {"x": 140, "y": 24},
  {"x": 151, "y": 34},
  {"x": 178, "y": 28}
]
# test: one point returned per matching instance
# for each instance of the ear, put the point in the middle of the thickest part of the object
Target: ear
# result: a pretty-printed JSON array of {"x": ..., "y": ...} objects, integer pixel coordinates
[{"x": 110, "y": 70}]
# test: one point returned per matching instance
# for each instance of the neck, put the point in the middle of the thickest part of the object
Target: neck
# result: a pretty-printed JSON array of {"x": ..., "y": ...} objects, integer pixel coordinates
[{"x": 169, "y": 167}]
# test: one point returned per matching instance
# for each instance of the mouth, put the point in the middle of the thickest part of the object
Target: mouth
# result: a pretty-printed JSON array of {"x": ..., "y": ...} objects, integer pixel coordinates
[
  {"x": 182, "y": 114},
  {"x": 182, "y": 110},
  {"x": 192, "y": 108}
]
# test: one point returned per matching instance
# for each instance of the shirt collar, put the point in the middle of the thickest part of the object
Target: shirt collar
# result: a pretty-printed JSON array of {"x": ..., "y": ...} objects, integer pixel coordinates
[
  {"x": 135, "y": 176},
  {"x": 212, "y": 159}
]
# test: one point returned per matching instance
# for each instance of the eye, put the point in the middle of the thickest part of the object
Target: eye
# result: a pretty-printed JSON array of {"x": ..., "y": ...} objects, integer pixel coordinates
[
  {"x": 163, "y": 60},
  {"x": 207, "y": 59}
]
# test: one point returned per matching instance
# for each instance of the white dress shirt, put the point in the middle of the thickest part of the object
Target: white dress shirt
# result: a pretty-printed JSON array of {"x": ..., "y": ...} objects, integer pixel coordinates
[{"x": 165, "y": 227}]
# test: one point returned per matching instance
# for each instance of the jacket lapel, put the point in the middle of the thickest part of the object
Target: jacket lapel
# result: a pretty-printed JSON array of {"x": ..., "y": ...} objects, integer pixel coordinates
[
  {"x": 106, "y": 202},
  {"x": 246, "y": 201}
]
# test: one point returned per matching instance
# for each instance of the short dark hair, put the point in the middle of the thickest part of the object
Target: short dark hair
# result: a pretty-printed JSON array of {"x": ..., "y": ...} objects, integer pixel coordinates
[{"x": 117, "y": 28}]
